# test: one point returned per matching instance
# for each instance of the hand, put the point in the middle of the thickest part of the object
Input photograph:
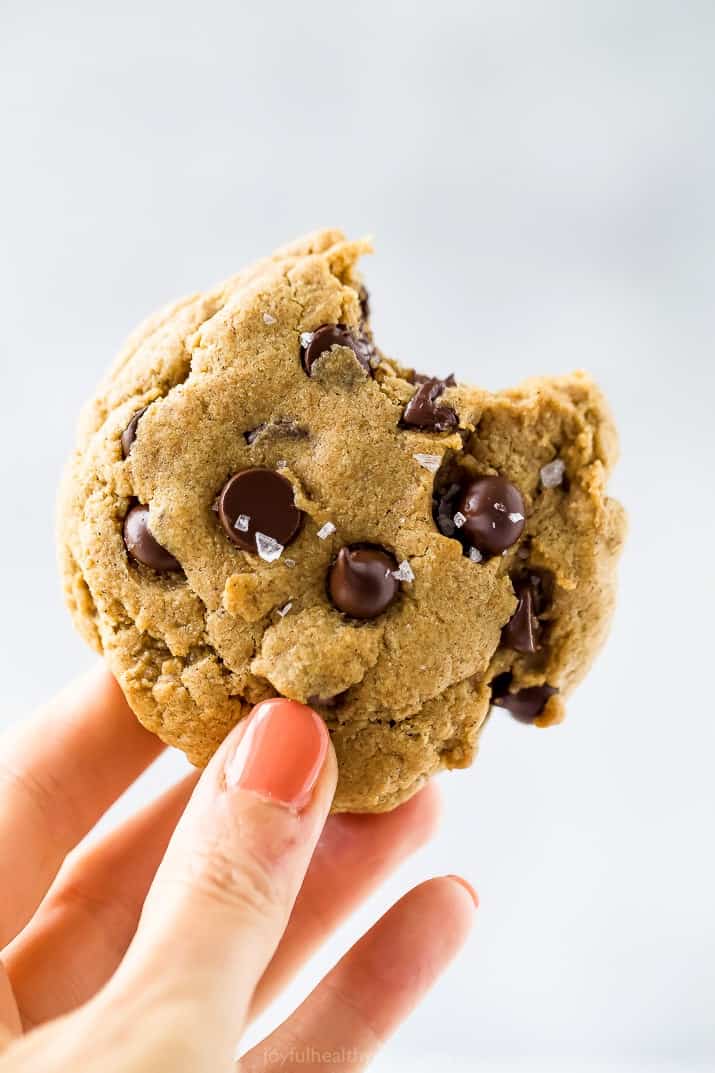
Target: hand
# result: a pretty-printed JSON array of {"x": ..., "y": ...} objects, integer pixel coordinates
[{"x": 152, "y": 949}]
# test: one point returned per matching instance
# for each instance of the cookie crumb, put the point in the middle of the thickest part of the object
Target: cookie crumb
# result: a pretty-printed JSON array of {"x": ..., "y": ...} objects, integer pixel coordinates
[
  {"x": 242, "y": 523},
  {"x": 459, "y": 519},
  {"x": 429, "y": 462},
  {"x": 268, "y": 319},
  {"x": 268, "y": 549},
  {"x": 404, "y": 572},
  {"x": 552, "y": 474},
  {"x": 475, "y": 555},
  {"x": 325, "y": 531}
]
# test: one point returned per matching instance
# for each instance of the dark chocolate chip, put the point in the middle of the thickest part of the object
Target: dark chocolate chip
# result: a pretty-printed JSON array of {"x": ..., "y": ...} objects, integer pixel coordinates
[
  {"x": 527, "y": 704},
  {"x": 414, "y": 377},
  {"x": 330, "y": 335},
  {"x": 423, "y": 410},
  {"x": 282, "y": 426},
  {"x": 523, "y": 630},
  {"x": 142, "y": 546},
  {"x": 494, "y": 511},
  {"x": 130, "y": 432},
  {"x": 444, "y": 510},
  {"x": 361, "y": 583},
  {"x": 364, "y": 303},
  {"x": 254, "y": 501}
]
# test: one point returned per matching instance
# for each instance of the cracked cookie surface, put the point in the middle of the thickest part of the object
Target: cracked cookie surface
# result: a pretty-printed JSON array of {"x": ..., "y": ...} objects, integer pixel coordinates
[{"x": 262, "y": 503}]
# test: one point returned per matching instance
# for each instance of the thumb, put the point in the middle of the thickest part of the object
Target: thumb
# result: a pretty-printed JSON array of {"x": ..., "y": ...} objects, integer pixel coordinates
[{"x": 224, "y": 892}]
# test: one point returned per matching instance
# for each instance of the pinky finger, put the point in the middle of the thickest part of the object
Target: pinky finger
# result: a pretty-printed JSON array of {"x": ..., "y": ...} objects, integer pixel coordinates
[{"x": 375, "y": 986}]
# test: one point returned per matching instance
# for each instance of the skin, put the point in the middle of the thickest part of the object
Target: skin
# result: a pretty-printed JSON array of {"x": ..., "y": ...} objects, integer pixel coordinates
[{"x": 153, "y": 949}]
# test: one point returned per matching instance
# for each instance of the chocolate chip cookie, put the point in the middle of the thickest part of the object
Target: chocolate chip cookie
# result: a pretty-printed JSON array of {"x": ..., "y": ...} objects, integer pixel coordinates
[{"x": 263, "y": 503}]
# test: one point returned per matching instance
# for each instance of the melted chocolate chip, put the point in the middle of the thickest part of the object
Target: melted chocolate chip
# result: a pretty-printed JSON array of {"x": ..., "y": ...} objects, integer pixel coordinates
[
  {"x": 254, "y": 501},
  {"x": 364, "y": 303},
  {"x": 361, "y": 583},
  {"x": 527, "y": 704},
  {"x": 330, "y": 335},
  {"x": 130, "y": 432},
  {"x": 423, "y": 410},
  {"x": 494, "y": 511},
  {"x": 523, "y": 630},
  {"x": 142, "y": 546},
  {"x": 444, "y": 509}
]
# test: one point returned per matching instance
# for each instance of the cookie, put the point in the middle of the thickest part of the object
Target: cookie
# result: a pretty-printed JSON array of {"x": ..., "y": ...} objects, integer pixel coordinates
[{"x": 262, "y": 503}]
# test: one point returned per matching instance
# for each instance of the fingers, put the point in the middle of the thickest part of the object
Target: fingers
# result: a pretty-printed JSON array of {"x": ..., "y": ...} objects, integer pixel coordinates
[
  {"x": 353, "y": 857},
  {"x": 82, "y": 930},
  {"x": 58, "y": 774},
  {"x": 224, "y": 891},
  {"x": 10, "y": 1024},
  {"x": 359, "y": 1004}
]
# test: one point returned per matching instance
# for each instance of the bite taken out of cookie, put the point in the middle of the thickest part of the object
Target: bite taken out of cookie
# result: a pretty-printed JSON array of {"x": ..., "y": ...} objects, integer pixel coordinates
[{"x": 261, "y": 503}]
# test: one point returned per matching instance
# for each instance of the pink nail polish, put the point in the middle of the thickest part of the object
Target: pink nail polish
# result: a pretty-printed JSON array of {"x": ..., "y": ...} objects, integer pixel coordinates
[{"x": 281, "y": 753}]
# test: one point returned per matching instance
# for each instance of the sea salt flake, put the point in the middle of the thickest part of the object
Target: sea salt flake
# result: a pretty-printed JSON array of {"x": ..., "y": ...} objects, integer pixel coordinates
[
  {"x": 306, "y": 338},
  {"x": 268, "y": 319},
  {"x": 404, "y": 572},
  {"x": 500, "y": 507},
  {"x": 459, "y": 519},
  {"x": 242, "y": 523},
  {"x": 429, "y": 462},
  {"x": 326, "y": 530},
  {"x": 552, "y": 473},
  {"x": 516, "y": 517},
  {"x": 281, "y": 463},
  {"x": 475, "y": 555},
  {"x": 283, "y": 611},
  {"x": 290, "y": 563},
  {"x": 268, "y": 549}
]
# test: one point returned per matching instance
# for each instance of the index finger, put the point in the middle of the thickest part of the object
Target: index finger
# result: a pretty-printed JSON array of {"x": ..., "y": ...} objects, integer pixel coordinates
[{"x": 58, "y": 774}]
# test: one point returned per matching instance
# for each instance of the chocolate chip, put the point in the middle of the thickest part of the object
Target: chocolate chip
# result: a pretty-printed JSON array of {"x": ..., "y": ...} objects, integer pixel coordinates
[
  {"x": 254, "y": 501},
  {"x": 130, "y": 432},
  {"x": 444, "y": 509},
  {"x": 364, "y": 303},
  {"x": 330, "y": 335},
  {"x": 361, "y": 583},
  {"x": 527, "y": 704},
  {"x": 494, "y": 511},
  {"x": 414, "y": 377},
  {"x": 523, "y": 630},
  {"x": 423, "y": 410},
  {"x": 283, "y": 426},
  {"x": 142, "y": 546}
]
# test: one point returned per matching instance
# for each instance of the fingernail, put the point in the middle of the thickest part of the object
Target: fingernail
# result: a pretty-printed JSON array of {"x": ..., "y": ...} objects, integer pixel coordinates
[
  {"x": 281, "y": 753},
  {"x": 467, "y": 886}
]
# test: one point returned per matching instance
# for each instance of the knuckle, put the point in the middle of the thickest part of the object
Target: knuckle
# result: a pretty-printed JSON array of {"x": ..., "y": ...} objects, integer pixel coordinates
[{"x": 244, "y": 885}]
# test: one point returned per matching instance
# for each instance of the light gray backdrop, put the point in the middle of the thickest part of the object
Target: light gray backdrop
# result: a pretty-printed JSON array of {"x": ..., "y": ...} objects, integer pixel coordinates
[{"x": 539, "y": 179}]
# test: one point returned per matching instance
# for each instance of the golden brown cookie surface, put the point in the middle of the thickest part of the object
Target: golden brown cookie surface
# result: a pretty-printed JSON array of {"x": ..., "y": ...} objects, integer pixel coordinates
[{"x": 261, "y": 503}]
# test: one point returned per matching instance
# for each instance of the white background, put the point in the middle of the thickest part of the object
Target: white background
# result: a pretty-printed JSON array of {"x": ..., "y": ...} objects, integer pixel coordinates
[{"x": 539, "y": 179}]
